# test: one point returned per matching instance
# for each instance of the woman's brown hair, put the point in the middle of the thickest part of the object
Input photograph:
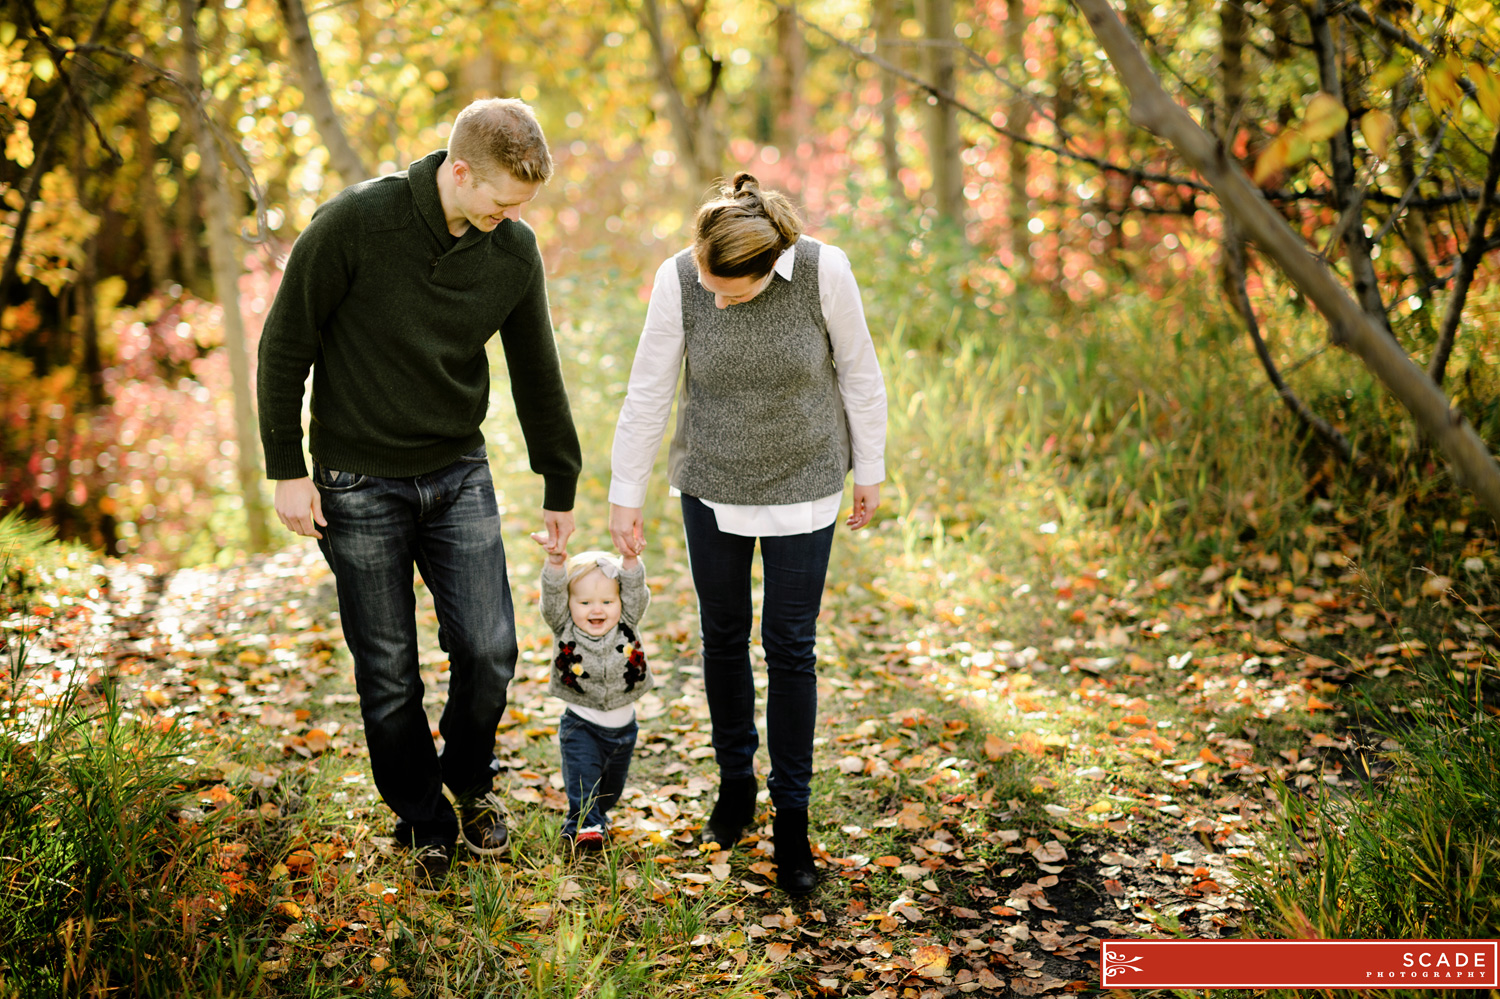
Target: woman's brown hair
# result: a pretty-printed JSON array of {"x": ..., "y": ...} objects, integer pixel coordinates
[{"x": 743, "y": 231}]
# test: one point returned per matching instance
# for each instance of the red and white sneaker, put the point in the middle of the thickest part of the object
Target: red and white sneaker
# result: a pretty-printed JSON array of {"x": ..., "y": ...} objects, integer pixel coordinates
[{"x": 590, "y": 839}]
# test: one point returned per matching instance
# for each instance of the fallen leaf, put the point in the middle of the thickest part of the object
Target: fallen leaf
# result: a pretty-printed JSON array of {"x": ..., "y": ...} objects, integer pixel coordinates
[
  {"x": 778, "y": 952},
  {"x": 1436, "y": 586},
  {"x": 930, "y": 961}
]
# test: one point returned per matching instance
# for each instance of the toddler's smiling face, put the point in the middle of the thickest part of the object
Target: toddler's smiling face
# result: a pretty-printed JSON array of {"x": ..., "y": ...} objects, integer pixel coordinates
[{"x": 594, "y": 602}]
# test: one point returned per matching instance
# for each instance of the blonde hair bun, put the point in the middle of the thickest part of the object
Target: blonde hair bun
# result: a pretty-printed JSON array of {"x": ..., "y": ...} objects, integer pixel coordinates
[{"x": 742, "y": 232}]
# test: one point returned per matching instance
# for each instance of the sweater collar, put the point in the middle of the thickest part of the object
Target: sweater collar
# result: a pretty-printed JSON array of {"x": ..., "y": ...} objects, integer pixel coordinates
[{"x": 422, "y": 177}]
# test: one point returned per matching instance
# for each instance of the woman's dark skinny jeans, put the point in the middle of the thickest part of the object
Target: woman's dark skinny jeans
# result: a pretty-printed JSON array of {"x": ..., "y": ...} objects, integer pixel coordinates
[{"x": 795, "y": 569}]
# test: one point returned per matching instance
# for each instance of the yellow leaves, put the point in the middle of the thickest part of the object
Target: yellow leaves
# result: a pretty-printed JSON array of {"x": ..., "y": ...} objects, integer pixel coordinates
[
  {"x": 1376, "y": 126},
  {"x": 18, "y": 147},
  {"x": 1443, "y": 90},
  {"x": 1324, "y": 118},
  {"x": 1388, "y": 76},
  {"x": 1487, "y": 90}
]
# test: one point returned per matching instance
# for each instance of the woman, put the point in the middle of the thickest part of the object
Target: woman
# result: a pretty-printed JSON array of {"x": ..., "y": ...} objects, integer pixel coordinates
[{"x": 781, "y": 395}]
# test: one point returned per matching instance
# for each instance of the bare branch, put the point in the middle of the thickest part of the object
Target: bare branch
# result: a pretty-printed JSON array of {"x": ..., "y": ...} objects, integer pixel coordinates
[
  {"x": 1234, "y": 261},
  {"x": 1463, "y": 271}
]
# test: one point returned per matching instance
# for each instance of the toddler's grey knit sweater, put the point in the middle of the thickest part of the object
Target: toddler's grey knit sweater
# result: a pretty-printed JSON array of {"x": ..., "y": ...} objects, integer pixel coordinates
[{"x": 606, "y": 672}]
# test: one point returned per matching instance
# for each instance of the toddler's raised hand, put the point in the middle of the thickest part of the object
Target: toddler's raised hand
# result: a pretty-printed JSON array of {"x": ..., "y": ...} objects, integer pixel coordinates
[{"x": 555, "y": 558}]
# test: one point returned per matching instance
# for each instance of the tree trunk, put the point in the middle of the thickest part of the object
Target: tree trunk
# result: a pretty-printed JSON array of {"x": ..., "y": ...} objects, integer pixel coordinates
[
  {"x": 1017, "y": 117},
  {"x": 942, "y": 117},
  {"x": 88, "y": 318},
  {"x": 1348, "y": 197},
  {"x": 1154, "y": 109},
  {"x": 482, "y": 75},
  {"x": 694, "y": 127},
  {"x": 345, "y": 161},
  {"x": 189, "y": 225},
  {"x": 40, "y": 151},
  {"x": 148, "y": 199},
  {"x": 789, "y": 111},
  {"x": 887, "y": 35},
  {"x": 222, "y": 234}
]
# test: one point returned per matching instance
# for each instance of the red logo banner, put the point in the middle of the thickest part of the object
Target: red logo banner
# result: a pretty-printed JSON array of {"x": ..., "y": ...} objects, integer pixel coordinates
[{"x": 1336, "y": 964}]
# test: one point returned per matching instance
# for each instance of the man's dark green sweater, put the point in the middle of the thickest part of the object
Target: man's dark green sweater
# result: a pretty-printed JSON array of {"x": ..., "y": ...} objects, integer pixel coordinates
[{"x": 392, "y": 313}]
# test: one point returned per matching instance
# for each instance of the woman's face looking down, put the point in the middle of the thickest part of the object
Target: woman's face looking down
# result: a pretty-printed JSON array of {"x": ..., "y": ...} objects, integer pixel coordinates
[{"x": 733, "y": 291}]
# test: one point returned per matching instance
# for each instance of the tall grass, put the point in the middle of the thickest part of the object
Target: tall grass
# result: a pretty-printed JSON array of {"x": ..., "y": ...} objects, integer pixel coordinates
[
  {"x": 1413, "y": 852},
  {"x": 103, "y": 889}
]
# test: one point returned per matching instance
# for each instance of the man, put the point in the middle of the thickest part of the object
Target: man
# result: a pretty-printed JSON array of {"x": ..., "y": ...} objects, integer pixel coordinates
[{"x": 389, "y": 296}]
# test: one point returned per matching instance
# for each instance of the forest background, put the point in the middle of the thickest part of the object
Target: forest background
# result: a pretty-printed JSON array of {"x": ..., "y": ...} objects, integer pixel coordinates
[{"x": 1109, "y": 375}]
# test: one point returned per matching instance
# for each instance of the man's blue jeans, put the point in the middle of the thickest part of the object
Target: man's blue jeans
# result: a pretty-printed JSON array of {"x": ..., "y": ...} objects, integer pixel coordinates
[
  {"x": 795, "y": 569},
  {"x": 446, "y": 523},
  {"x": 595, "y": 763}
]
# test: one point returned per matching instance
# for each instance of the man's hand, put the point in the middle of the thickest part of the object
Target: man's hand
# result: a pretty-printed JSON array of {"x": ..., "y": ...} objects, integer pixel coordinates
[
  {"x": 553, "y": 558},
  {"x": 559, "y": 525},
  {"x": 627, "y": 529},
  {"x": 299, "y": 506},
  {"x": 866, "y": 499}
]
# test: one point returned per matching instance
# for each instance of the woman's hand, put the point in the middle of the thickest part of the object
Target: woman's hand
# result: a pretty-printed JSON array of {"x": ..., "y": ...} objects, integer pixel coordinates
[
  {"x": 627, "y": 529},
  {"x": 866, "y": 499}
]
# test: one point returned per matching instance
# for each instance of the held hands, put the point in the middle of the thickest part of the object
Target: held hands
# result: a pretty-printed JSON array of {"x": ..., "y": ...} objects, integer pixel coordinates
[
  {"x": 300, "y": 507},
  {"x": 559, "y": 557},
  {"x": 559, "y": 525},
  {"x": 555, "y": 538},
  {"x": 627, "y": 530},
  {"x": 866, "y": 499}
]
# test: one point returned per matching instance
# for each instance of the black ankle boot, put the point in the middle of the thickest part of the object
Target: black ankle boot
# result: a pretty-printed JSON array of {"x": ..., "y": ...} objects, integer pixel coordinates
[
  {"x": 795, "y": 872},
  {"x": 733, "y": 811}
]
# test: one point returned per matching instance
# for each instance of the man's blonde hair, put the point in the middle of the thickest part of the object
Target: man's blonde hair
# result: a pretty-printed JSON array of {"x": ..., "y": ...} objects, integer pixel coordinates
[{"x": 501, "y": 133}]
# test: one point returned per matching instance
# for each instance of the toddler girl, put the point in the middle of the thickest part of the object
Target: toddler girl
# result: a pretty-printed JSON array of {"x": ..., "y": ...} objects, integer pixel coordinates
[{"x": 593, "y": 602}]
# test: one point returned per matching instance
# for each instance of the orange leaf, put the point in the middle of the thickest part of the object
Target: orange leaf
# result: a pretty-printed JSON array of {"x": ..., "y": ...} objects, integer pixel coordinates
[
  {"x": 889, "y": 860},
  {"x": 1272, "y": 159},
  {"x": 1315, "y": 704},
  {"x": 996, "y": 747},
  {"x": 930, "y": 961},
  {"x": 778, "y": 952}
]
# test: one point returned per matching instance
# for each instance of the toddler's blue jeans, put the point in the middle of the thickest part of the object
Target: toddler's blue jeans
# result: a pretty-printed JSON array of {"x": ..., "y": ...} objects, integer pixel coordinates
[{"x": 595, "y": 763}]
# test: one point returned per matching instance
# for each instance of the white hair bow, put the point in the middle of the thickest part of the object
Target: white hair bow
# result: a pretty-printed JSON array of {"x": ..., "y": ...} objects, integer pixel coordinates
[{"x": 609, "y": 568}]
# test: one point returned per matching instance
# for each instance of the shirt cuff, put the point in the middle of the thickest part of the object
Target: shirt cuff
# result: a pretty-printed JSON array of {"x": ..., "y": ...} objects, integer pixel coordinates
[
  {"x": 559, "y": 492},
  {"x": 284, "y": 461},
  {"x": 869, "y": 473},
  {"x": 628, "y": 494}
]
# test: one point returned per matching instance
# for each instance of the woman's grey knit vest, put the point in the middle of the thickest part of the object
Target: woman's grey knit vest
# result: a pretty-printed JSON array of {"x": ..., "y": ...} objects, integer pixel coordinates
[{"x": 759, "y": 419}]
